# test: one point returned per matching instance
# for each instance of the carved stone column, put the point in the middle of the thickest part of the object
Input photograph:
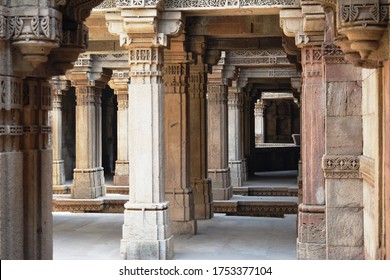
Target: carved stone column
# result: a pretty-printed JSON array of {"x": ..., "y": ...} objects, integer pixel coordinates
[
  {"x": 218, "y": 153},
  {"x": 311, "y": 216},
  {"x": 177, "y": 142},
  {"x": 88, "y": 177},
  {"x": 259, "y": 122},
  {"x": 119, "y": 82},
  {"x": 11, "y": 162},
  {"x": 37, "y": 169},
  {"x": 343, "y": 147},
  {"x": 200, "y": 183},
  {"x": 59, "y": 85},
  {"x": 235, "y": 138}
]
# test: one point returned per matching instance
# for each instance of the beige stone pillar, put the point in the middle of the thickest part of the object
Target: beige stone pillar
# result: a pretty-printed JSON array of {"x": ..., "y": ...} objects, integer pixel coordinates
[
  {"x": 217, "y": 114},
  {"x": 343, "y": 147},
  {"x": 311, "y": 215},
  {"x": 200, "y": 183},
  {"x": 37, "y": 169},
  {"x": 59, "y": 84},
  {"x": 146, "y": 230},
  {"x": 119, "y": 83},
  {"x": 259, "y": 122},
  {"x": 235, "y": 134},
  {"x": 88, "y": 176},
  {"x": 177, "y": 142}
]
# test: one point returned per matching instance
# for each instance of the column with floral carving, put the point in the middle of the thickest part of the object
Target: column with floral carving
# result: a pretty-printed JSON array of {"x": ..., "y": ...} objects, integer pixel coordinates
[{"x": 178, "y": 190}]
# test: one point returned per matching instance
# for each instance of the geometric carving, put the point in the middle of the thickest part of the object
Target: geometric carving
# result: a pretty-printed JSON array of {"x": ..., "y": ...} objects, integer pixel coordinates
[
  {"x": 10, "y": 93},
  {"x": 201, "y": 4},
  {"x": 257, "y": 57},
  {"x": 341, "y": 166}
]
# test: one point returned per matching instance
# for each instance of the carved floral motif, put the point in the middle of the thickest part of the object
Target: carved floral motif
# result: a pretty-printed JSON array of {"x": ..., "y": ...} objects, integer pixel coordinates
[{"x": 341, "y": 166}]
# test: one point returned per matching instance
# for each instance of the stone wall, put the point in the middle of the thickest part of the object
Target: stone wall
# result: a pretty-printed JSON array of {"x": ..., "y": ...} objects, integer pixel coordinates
[{"x": 371, "y": 138}]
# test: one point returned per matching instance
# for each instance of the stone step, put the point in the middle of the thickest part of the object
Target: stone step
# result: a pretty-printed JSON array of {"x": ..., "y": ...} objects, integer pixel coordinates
[
  {"x": 256, "y": 208},
  {"x": 239, "y": 206},
  {"x": 266, "y": 191}
]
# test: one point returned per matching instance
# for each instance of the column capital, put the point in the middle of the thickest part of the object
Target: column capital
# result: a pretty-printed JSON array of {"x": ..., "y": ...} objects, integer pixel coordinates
[
  {"x": 144, "y": 23},
  {"x": 85, "y": 73},
  {"x": 59, "y": 84}
]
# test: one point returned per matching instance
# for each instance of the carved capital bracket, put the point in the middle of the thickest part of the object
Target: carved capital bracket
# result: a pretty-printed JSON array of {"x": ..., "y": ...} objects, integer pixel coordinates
[
  {"x": 34, "y": 31},
  {"x": 361, "y": 27},
  {"x": 341, "y": 166},
  {"x": 306, "y": 24}
]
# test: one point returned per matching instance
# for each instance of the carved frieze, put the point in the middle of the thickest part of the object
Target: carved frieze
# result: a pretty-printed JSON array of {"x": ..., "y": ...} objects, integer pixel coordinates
[
  {"x": 256, "y": 57},
  {"x": 216, "y": 94},
  {"x": 201, "y": 4},
  {"x": 341, "y": 166}
]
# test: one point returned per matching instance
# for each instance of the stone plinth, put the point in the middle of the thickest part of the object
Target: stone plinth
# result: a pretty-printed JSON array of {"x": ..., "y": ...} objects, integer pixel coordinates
[{"x": 146, "y": 232}]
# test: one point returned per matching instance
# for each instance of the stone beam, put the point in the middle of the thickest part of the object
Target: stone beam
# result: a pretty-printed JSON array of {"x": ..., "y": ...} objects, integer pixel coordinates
[
  {"x": 200, "y": 7},
  {"x": 268, "y": 72},
  {"x": 228, "y": 44},
  {"x": 256, "y": 58},
  {"x": 235, "y": 26}
]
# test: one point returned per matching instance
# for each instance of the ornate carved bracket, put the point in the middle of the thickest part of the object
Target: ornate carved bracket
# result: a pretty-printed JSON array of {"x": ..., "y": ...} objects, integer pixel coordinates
[{"x": 341, "y": 166}]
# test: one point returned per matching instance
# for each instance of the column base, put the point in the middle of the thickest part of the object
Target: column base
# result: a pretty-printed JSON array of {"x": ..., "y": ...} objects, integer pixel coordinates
[
  {"x": 146, "y": 232},
  {"x": 203, "y": 198},
  {"x": 181, "y": 206},
  {"x": 58, "y": 172},
  {"x": 121, "y": 177},
  {"x": 235, "y": 173},
  {"x": 220, "y": 178},
  {"x": 88, "y": 183},
  {"x": 311, "y": 243}
]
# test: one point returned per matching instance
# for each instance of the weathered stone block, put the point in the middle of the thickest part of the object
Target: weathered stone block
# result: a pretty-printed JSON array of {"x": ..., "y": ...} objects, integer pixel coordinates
[
  {"x": 344, "y": 99},
  {"x": 311, "y": 228},
  {"x": 344, "y": 135},
  {"x": 344, "y": 193},
  {"x": 310, "y": 251},
  {"x": 344, "y": 227},
  {"x": 345, "y": 253}
]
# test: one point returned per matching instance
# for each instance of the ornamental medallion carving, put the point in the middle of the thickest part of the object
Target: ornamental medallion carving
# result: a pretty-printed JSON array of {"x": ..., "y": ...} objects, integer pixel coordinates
[{"x": 341, "y": 166}]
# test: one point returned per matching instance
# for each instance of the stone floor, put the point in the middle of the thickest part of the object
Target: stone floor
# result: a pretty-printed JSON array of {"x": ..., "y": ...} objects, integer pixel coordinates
[{"x": 96, "y": 236}]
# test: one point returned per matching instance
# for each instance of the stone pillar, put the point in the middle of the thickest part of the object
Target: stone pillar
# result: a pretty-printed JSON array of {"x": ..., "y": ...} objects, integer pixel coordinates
[
  {"x": 59, "y": 85},
  {"x": 343, "y": 147},
  {"x": 311, "y": 212},
  {"x": 88, "y": 176},
  {"x": 119, "y": 83},
  {"x": 177, "y": 142},
  {"x": 245, "y": 128},
  {"x": 235, "y": 137},
  {"x": 37, "y": 169},
  {"x": 11, "y": 164},
  {"x": 259, "y": 122},
  {"x": 146, "y": 230},
  {"x": 200, "y": 183}
]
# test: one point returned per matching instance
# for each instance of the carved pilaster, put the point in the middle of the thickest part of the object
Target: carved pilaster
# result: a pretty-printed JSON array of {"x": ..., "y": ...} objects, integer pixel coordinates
[
  {"x": 120, "y": 84},
  {"x": 59, "y": 85}
]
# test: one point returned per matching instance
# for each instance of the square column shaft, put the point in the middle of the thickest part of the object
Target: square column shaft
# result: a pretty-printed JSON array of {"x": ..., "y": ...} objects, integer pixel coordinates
[
  {"x": 218, "y": 165},
  {"x": 200, "y": 183},
  {"x": 177, "y": 142}
]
